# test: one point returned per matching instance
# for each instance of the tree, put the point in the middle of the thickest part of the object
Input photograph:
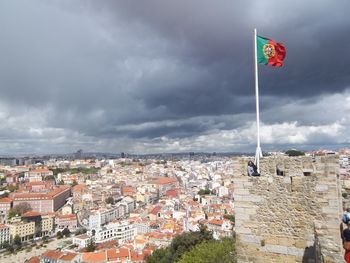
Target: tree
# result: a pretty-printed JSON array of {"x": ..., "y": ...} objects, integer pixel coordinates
[
  {"x": 66, "y": 232},
  {"x": 161, "y": 255},
  {"x": 293, "y": 152},
  {"x": 109, "y": 200},
  {"x": 45, "y": 239},
  {"x": 19, "y": 209},
  {"x": 12, "y": 188},
  {"x": 5, "y": 244},
  {"x": 222, "y": 251},
  {"x": 205, "y": 191},
  {"x": 230, "y": 217},
  {"x": 74, "y": 183},
  {"x": 59, "y": 234},
  {"x": 180, "y": 245},
  {"x": 80, "y": 231},
  {"x": 8, "y": 246},
  {"x": 17, "y": 240},
  {"x": 49, "y": 177},
  {"x": 91, "y": 246}
]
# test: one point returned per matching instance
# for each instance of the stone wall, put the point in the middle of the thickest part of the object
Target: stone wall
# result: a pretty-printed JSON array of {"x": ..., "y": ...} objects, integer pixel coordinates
[{"x": 289, "y": 218}]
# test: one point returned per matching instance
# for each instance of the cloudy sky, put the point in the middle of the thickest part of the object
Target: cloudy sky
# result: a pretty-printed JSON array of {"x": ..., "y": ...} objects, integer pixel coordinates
[{"x": 171, "y": 76}]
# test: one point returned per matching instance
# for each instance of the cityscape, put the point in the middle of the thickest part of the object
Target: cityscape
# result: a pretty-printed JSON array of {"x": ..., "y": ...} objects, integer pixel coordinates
[{"x": 118, "y": 209}]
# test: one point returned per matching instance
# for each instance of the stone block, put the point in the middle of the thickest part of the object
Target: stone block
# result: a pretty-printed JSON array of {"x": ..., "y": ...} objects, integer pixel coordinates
[
  {"x": 247, "y": 238},
  {"x": 241, "y": 191},
  {"x": 321, "y": 188},
  {"x": 300, "y": 243},
  {"x": 242, "y": 230}
]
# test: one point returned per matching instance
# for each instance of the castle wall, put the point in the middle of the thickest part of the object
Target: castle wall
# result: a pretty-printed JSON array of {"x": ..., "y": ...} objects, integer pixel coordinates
[{"x": 290, "y": 218}]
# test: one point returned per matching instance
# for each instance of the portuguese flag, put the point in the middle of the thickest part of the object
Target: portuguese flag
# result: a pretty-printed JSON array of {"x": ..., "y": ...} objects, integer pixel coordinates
[{"x": 270, "y": 52}]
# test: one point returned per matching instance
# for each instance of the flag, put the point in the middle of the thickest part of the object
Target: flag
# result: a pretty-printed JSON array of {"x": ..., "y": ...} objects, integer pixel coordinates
[{"x": 270, "y": 52}]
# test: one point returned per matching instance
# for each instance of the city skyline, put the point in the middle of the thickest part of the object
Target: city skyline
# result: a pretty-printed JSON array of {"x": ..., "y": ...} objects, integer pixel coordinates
[{"x": 161, "y": 76}]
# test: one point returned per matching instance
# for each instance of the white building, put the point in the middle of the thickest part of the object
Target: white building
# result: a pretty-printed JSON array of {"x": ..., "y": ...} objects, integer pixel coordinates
[
  {"x": 142, "y": 227},
  {"x": 81, "y": 241},
  {"x": 121, "y": 231},
  {"x": 222, "y": 191},
  {"x": 4, "y": 234},
  {"x": 101, "y": 217}
]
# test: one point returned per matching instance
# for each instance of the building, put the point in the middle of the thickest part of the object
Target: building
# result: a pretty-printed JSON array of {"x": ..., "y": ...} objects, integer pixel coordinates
[
  {"x": 5, "y": 206},
  {"x": 81, "y": 241},
  {"x": 164, "y": 184},
  {"x": 121, "y": 231},
  {"x": 101, "y": 217},
  {"x": 220, "y": 228},
  {"x": 4, "y": 234},
  {"x": 37, "y": 175},
  {"x": 66, "y": 221},
  {"x": 32, "y": 216},
  {"x": 47, "y": 224},
  {"x": 56, "y": 256},
  {"x": 25, "y": 230},
  {"x": 47, "y": 201}
]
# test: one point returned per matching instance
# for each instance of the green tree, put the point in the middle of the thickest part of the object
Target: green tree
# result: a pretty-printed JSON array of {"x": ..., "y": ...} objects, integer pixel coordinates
[
  {"x": 59, "y": 234},
  {"x": 49, "y": 177},
  {"x": 74, "y": 183},
  {"x": 17, "y": 240},
  {"x": 91, "y": 246},
  {"x": 80, "y": 231},
  {"x": 205, "y": 191},
  {"x": 19, "y": 209},
  {"x": 8, "y": 246},
  {"x": 293, "y": 152},
  {"x": 12, "y": 188},
  {"x": 66, "y": 232},
  {"x": 180, "y": 245},
  {"x": 109, "y": 200},
  {"x": 162, "y": 255},
  {"x": 222, "y": 251},
  {"x": 5, "y": 244},
  {"x": 230, "y": 217},
  {"x": 45, "y": 239}
]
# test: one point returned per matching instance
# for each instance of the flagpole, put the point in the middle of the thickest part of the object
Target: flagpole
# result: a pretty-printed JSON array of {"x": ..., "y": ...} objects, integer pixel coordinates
[{"x": 258, "y": 153}]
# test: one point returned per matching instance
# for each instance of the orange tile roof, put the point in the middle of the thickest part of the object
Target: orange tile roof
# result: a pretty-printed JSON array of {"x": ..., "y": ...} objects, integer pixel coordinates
[
  {"x": 68, "y": 257},
  {"x": 155, "y": 210},
  {"x": 5, "y": 200},
  {"x": 2, "y": 226},
  {"x": 171, "y": 193},
  {"x": 78, "y": 187},
  {"x": 52, "y": 254},
  {"x": 94, "y": 256},
  {"x": 121, "y": 253},
  {"x": 33, "y": 260},
  {"x": 50, "y": 195},
  {"x": 31, "y": 213},
  {"x": 69, "y": 216},
  {"x": 166, "y": 180},
  {"x": 217, "y": 222},
  {"x": 128, "y": 189}
]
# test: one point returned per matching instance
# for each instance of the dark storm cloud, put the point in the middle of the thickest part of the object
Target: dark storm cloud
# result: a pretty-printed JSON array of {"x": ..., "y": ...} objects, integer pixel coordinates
[{"x": 168, "y": 75}]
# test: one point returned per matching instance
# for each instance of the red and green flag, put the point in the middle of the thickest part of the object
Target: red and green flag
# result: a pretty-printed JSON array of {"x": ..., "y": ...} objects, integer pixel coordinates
[{"x": 270, "y": 52}]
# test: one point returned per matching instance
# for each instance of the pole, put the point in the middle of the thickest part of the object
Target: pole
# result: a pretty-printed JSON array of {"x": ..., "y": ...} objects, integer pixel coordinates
[{"x": 258, "y": 153}]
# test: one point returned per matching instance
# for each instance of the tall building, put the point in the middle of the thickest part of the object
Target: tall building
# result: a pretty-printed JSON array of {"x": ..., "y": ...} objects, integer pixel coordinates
[
  {"x": 4, "y": 234},
  {"x": 5, "y": 206}
]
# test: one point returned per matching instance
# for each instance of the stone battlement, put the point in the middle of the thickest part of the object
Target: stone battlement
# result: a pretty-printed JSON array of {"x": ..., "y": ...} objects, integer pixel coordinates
[{"x": 289, "y": 218}]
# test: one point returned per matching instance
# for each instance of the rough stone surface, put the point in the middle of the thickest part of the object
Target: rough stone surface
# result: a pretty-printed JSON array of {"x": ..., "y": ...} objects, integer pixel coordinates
[{"x": 289, "y": 218}]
